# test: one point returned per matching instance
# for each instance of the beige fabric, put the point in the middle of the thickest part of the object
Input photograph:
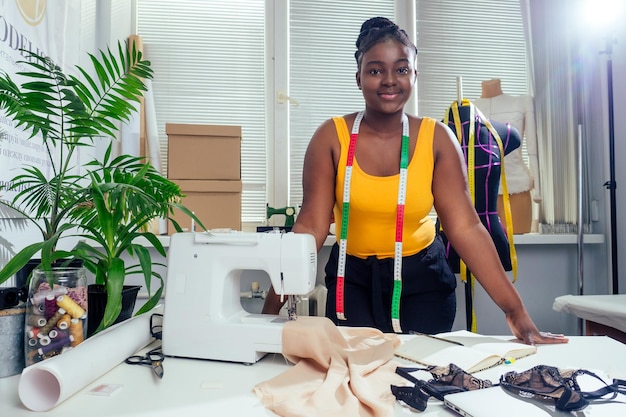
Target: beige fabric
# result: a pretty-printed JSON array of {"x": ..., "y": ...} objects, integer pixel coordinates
[{"x": 338, "y": 371}]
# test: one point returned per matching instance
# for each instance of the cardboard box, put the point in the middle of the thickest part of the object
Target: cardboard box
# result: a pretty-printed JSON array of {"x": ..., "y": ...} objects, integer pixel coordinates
[
  {"x": 203, "y": 152},
  {"x": 216, "y": 203}
]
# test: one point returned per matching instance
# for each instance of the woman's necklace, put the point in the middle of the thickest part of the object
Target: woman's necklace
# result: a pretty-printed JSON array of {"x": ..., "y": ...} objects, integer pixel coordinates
[{"x": 345, "y": 215}]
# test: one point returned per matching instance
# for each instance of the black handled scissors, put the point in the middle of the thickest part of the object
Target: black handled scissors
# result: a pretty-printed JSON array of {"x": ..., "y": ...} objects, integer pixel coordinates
[{"x": 153, "y": 358}]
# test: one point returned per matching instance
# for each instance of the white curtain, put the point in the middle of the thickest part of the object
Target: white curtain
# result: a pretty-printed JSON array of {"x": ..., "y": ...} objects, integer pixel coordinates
[{"x": 559, "y": 83}]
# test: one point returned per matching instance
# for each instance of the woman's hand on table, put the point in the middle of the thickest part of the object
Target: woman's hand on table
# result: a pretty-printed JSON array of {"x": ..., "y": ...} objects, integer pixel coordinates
[{"x": 524, "y": 329}]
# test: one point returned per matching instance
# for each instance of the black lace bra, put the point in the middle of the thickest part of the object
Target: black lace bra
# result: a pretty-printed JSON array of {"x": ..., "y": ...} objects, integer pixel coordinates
[{"x": 543, "y": 383}]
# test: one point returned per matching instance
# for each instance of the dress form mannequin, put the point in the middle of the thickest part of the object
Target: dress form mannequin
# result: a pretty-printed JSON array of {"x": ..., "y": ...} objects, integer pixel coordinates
[
  {"x": 486, "y": 174},
  {"x": 484, "y": 144},
  {"x": 522, "y": 179}
]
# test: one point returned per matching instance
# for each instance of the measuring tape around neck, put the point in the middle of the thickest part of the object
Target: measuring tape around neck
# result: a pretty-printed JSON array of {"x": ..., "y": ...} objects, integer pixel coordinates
[{"x": 345, "y": 216}]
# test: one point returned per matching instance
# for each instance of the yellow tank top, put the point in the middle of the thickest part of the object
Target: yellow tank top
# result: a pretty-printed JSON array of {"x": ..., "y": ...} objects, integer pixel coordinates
[{"x": 373, "y": 200}]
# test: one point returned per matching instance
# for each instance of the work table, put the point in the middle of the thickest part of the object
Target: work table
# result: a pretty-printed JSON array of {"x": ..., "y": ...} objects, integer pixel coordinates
[{"x": 194, "y": 387}]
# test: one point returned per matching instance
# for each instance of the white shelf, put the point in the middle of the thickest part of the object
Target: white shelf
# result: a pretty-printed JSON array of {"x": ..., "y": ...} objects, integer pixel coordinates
[
  {"x": 555, "y": 239},
  {"x": 533, "y": 239},
  {"x": 523, "y": 239}
]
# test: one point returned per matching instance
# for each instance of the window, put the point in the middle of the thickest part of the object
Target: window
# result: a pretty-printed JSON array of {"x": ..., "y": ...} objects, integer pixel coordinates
[
  {"x": 229, "y": 62},
  {"x": 476, "y": 41},
  {"x": 322, "y": 69},
  {"x": 209, "y": 63}
]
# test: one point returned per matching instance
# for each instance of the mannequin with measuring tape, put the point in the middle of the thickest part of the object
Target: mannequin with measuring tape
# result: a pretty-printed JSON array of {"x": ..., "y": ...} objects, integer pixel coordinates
[
  {"x": 380, "y": 171},
  {"x": 484, "y": 144}
]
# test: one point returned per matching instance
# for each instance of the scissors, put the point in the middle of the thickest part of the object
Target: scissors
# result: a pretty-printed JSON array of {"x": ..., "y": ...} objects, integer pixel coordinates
[{"x": 153, "y": 358}]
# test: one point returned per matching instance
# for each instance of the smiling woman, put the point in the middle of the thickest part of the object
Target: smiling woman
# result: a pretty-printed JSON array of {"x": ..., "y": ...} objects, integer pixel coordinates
[{"x": 388, "y": 268}]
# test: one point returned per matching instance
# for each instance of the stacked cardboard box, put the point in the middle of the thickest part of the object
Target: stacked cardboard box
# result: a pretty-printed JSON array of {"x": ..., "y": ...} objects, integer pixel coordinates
[{"x": 205, "y": 161}]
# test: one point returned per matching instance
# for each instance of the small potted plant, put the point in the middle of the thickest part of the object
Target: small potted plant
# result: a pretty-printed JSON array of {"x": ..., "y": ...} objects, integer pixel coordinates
[
  {"x": 123, "y": 196},
  {"x": 107, "y": 202}
]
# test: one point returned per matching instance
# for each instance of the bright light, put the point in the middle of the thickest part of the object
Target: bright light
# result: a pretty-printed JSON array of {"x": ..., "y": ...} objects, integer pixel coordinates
[{"x": 602, "y": 14}]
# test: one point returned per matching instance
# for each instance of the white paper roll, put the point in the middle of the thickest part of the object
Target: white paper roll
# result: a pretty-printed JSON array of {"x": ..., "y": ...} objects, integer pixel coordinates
[{"x": 48, "y": 383}]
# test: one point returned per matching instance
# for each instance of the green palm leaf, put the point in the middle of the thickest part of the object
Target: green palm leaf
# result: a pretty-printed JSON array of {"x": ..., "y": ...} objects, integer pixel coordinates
[{"x": 109, "y": 207}]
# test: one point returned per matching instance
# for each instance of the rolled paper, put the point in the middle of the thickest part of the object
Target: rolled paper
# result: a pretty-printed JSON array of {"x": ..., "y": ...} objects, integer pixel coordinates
[
  {"x": 69, "y": 305},
  {"x": 46, "y": 384}
]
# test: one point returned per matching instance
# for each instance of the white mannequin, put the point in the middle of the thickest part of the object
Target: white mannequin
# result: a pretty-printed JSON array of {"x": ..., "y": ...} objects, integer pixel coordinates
[{"x": 521, "y": 179}]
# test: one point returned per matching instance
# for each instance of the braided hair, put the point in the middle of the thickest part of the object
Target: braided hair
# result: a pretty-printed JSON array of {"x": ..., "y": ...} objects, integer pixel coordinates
[{"x": 379, "y": 29}]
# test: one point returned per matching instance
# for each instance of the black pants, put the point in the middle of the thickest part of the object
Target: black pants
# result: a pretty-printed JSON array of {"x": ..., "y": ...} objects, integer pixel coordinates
[{"x": 428, "y": 302}]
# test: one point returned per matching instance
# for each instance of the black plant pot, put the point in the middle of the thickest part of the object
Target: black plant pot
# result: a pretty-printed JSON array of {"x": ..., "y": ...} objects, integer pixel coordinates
[{"x": 97, "y": 299}]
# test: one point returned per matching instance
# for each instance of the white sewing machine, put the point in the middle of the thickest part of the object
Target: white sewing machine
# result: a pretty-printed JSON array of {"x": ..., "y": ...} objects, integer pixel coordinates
[{"x": 203, "y": 317}]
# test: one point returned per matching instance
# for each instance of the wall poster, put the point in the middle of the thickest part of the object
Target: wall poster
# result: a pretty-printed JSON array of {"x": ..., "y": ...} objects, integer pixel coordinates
[{"x": 50, "y": 28}]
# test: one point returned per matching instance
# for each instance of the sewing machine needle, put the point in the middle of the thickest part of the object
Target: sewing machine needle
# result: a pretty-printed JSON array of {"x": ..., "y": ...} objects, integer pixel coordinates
[{"x": 291, "y": 307}]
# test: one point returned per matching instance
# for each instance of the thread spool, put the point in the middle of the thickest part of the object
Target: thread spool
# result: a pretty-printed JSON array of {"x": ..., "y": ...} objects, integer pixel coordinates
[
  {"x": 76, "y": 331},
  {"x": 44, "y": 340},
  {"x": 33, "y": 357},
  {"x": 36, "y": 321},
  {"x": 64, "y": 322},
  {"x": 39, "y": 297},
  {"x": 52, "y": 321},
  {"x": 56, "y": 344},
  {"x": 70, "y": 306},
  {"x": 49, "y": 306},
  {"x": 38, "y": 309}
]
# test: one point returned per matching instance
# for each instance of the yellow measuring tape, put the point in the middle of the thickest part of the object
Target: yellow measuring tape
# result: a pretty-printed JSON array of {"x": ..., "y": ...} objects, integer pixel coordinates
[{"x": 474, "y": 111}]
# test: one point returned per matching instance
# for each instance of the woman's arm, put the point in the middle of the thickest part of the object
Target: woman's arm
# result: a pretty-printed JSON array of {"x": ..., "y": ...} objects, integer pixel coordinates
[
  {"x": 472, "y": 241},
  {"x": 318, "y": 186}
]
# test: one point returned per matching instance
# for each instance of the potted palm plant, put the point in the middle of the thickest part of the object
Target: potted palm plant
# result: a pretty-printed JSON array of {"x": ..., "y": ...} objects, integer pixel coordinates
[{"x": 106, "y": 202}]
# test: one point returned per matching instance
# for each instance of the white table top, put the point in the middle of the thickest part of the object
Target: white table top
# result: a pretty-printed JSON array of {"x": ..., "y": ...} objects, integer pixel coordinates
[
  {"x": 201, "y": 388},
  {"x": 609, "y": 309}
]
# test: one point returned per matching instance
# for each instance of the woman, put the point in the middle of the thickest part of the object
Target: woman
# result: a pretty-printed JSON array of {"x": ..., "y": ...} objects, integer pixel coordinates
[{"x": 380, "y": 182}]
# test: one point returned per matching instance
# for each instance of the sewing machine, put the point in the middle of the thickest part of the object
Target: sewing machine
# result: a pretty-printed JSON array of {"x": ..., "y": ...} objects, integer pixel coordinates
[
  {"x": 289, "y": 212},
  {"x": 290, "y": 217},
  {"x": 203, "y": 317}
]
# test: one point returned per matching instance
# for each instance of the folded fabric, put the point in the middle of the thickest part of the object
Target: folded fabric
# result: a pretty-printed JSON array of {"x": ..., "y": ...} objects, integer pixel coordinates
[{"x": 338, "y": 371}]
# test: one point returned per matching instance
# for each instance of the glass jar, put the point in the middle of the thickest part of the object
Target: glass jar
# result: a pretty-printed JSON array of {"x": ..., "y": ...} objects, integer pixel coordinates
[{"x": 56, "y": 312}]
